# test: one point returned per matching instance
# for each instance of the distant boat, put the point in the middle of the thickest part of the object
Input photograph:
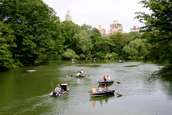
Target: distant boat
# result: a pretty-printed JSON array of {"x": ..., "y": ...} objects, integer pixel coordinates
[
  {"x": 109, "y": 92},
  {"x": 120, "y": 61},
  {"x": 64, "y": 87},
  {"x": 31, "y": 71}
]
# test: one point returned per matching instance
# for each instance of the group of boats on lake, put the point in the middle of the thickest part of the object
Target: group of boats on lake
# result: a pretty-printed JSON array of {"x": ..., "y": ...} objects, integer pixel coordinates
[{"x": 62, "y": 89}]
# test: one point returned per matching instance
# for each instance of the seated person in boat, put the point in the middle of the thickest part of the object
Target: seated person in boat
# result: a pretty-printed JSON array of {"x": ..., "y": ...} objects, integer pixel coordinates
[
  {"x": 94, "y": 90},
  {"x": 108, "y": 78},
  {"x": 104, "y": 78},
  {"x": 57, "y": 90},
  {"x": 78, "y": 74},
  {"x": 101, "y": 90},
  {"x": 82, "y": 72},
  {"x": 105, "y": 87}
]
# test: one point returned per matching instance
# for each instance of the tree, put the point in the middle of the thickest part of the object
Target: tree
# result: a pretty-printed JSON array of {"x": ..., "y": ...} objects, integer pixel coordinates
[
  {"x": 68, "y": 30},
  {"x": 158, "y": 26},
  {"x": 6, "y": 44},
  {"x": 137, "y": 49},
  {"x": 70, "y": 54},
  {"x": 119, "y": 40},
  {"x": 84, "y": 43},
  {"x": 33, "y": 23}
]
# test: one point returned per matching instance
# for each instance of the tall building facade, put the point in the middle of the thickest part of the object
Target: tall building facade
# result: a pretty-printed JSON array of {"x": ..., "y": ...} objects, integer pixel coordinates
[
  {"x": 135, "y": 29},
  {"x": 102, "y": 30},
  {"x": 68, "y": 16},
  {"x": 115, "y": 27}
]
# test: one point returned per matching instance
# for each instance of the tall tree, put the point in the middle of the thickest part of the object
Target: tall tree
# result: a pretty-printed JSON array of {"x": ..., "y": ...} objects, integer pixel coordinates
[
  {"x": 158, "y": 25},
  {"x": 84, "y": 43},
  {"x": 33, "y": 22},
  {"x": 119, "y": 40},
  {"x": 69, "y": 29},
  {"x": 6, "y": 44},
  {"x": 137, "y": 49}
]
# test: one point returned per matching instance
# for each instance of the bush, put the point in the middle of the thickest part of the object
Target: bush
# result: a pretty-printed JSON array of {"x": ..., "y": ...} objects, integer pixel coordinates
[{"x": 70, "y": 54}]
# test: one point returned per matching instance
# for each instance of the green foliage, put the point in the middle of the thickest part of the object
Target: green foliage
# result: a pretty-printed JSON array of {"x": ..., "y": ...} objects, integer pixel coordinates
[
  {"x": 84, "y": 43},
  {"x": 111, "y": 55},
  {"x": 158, "y": 27},
  {"x": 6, "y": 44},
  {"x": 82, "y": 56},
  {"x": 100, "y": 55},
  {"x": 137, "y": 49},
  {"x": 68, "y": 30},
  {"x": 70, "y": 54},
  {"x": 119, "y": 40},
  {"x": 35, "y": 27}
]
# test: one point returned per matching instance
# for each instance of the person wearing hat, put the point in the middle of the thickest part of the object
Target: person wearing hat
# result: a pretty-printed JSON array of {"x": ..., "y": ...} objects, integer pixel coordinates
[
  {"x": 58, "y": 89},
  {"x": 94, "y": 90}
]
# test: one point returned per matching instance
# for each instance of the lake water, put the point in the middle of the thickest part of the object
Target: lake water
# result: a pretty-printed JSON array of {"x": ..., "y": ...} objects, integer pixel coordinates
[{"x": 23, "y": 93}]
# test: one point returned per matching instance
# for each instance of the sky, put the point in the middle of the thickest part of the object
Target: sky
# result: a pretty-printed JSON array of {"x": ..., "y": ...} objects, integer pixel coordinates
[{"x": 99, "y": 12}]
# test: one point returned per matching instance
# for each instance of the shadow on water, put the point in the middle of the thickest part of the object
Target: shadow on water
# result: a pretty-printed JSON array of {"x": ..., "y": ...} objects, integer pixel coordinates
[
  {"x": 131, "y": 66},
  {"x": 101, "y": 100}
]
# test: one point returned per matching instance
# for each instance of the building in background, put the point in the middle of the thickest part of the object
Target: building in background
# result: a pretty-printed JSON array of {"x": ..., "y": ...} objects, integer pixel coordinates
[
  {"x": 102, "y": 30},
  {"x": 135, "y": 29},
  {"x": 68, "y": 16},
  {"x": 115, "y": 27}
]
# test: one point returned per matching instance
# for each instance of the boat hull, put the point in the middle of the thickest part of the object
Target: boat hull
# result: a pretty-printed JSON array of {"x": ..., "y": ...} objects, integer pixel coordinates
[
  {"x": 55, "y": 95},
  {"x": 106, "y": 82},
  {"x": 31, "y": 71},
  {"x": 109, "y": 92},
  {"x": 79, "y": 76}
]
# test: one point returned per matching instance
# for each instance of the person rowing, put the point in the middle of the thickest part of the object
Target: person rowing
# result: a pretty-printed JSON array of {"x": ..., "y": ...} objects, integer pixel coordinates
[
  {"x": 104, "y": 78},
  {"x": 57, "y": 90},
  {"x": 94, "y": 90},
  {"x": 101, "y": 89}
]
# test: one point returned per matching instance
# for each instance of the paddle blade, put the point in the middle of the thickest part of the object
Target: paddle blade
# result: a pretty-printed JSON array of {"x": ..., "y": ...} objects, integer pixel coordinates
[{"x": 119, "y": 94}]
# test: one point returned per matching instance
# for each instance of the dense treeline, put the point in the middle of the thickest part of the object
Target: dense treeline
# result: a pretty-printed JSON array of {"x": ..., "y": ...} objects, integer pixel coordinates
[{"x": 31, "y": 33}]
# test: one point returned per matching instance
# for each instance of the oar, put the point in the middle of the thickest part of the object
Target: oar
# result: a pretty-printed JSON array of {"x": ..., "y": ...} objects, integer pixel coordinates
[
  {"x": 117, "y": 82},
  {"x": 52, "y": 85},
  {"x": 70, "y": 75},
  {"x": 119, "y": 94}
]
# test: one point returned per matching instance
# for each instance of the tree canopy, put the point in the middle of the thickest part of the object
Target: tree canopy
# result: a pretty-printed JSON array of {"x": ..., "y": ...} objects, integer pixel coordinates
[
  {"x": 31, "y": 33},
  {"x": 158, "y": 26}
]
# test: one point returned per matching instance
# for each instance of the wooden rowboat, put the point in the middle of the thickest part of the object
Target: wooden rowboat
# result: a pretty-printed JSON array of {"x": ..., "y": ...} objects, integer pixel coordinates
[
  {"x": 120, "y": 61},
  {"x": 31, "y": 71},
  {"x": 109, "y": 92},
  {"x": 64, "y": 87},
  {"x": 79, "y": 76},
  {"x": 106, "y": 82}
]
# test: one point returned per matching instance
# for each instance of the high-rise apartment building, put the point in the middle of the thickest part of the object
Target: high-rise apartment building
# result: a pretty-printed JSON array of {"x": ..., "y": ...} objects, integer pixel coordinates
[{"x": 68, "y": 16}]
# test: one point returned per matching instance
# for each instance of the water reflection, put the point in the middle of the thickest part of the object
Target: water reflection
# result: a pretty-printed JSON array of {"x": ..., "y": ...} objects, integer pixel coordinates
[
  {"x": 167, "y": 88},
  {"x": 80, "y": 80},
  {"x": 101, "y": 100}
]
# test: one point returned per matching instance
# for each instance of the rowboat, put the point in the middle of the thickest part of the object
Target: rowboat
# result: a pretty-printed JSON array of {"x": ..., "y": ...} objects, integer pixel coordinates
[
  {"x": 79, "y": 76},
  {"x": 120, "y": 61},
  {"x": 106, "y": 82},
  {"x": 65, "y": 89},
  {"x": 31, "y": 71},
  {"x": 109, "y": 92}
]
